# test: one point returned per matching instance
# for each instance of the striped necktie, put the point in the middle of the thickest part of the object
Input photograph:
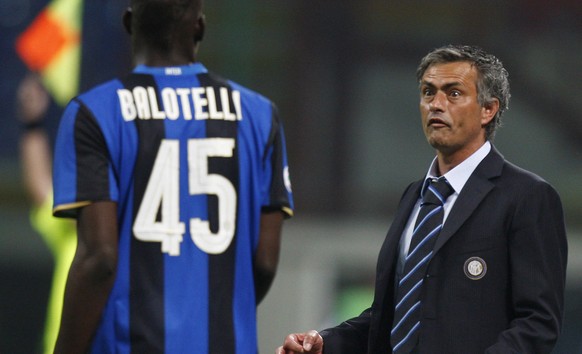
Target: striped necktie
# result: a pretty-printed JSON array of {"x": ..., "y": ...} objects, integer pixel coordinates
[{"x": 429, "y": 223}]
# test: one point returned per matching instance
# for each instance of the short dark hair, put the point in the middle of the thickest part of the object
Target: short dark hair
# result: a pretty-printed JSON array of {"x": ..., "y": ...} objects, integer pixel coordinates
[
  {"x": 160, "y": 20},
  {"x": 492, "y": 82}
]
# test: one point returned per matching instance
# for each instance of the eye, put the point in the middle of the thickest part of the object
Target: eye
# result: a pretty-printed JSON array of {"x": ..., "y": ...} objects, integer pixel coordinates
[
  {"x": 427, "y": 91},
  {"x": 455, "y": 93}
]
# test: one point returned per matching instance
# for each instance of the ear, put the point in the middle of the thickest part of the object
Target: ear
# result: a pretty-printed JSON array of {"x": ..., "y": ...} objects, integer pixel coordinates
[
  {"x": 126, "y": 19},
  {"x": 200, "y": 28},
  {"x": 488, "y": 111}
]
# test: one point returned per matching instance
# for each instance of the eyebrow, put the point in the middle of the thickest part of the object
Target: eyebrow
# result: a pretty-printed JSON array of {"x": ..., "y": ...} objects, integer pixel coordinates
[{"x": 444, "y": 87}]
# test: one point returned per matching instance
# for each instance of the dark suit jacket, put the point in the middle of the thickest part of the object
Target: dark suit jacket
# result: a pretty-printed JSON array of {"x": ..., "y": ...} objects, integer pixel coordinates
[{"x": 513, "y": 221}]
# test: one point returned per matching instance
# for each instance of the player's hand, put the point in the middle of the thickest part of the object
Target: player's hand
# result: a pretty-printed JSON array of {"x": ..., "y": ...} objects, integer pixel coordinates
[{"x": 307, "y": 342}]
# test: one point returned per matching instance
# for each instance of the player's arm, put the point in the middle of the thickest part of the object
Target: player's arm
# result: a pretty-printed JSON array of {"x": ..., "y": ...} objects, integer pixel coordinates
[
  {"x": 267, "y": 254},
  {"x": 278, "y": 206},
  {"x": 91, "y": 276}
]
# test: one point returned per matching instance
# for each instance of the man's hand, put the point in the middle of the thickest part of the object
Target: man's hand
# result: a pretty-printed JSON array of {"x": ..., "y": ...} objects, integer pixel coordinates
[
  {"x": 307, "y": 342},
  {"x": 33, "y": 100}
]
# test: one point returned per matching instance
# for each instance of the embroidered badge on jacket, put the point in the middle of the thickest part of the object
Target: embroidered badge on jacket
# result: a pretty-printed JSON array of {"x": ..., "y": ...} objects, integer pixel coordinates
[{"x": 475, "y": 268}]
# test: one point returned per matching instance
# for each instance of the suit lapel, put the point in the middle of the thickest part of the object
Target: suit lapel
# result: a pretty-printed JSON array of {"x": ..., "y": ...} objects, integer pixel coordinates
[
  {"x": 476, "y": 188},
  {"x": 402, "y": 215},
  {"x": 389, "y": 252}
]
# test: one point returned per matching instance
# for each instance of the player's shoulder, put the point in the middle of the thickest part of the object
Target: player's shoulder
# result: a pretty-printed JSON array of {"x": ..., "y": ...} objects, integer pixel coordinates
[
  {"x": 101, "y": 91},
  {"x": 95, "y": 103},
  {"x": 100, "y": 97}
]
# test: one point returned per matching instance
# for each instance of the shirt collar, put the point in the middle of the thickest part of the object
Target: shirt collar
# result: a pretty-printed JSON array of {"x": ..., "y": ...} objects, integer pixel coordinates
[
  {"x": 458, "y": 176},
  {"x": 191, "y": 69}
]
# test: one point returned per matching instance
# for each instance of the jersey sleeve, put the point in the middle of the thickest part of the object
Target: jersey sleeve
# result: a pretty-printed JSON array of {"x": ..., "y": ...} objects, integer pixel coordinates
[
  {"x": 82, "y": 171},
  {"x": 278, "y": 194}
]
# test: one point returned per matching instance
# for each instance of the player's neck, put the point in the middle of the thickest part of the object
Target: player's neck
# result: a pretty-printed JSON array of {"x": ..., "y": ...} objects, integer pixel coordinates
[{"x": 156, "y": 58}]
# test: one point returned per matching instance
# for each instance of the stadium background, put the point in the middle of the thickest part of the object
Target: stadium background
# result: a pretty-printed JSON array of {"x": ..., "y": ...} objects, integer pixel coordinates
[{"x": 342, "y": 73}]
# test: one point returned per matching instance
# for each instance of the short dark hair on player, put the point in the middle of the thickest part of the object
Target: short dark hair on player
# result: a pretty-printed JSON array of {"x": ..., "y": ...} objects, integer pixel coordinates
[
  {"x": 160, "y": 20},
  {"x": 492, "y": 82}
]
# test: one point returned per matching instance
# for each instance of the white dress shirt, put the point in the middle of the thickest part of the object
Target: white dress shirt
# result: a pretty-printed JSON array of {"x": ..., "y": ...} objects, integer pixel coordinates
[{"x": 457, "y": 177}]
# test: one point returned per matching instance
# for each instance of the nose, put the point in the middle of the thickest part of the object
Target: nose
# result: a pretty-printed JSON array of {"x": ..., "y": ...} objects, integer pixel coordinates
[{"x": 438, "y": 102}]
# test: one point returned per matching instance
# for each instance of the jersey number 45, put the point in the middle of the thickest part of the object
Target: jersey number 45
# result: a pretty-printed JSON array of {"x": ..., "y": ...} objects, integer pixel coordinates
[{"x": 163, "y": 194}]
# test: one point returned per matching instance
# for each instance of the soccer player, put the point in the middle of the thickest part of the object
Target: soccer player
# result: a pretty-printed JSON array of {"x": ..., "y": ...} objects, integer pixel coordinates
[{"x": 179, "y": 183}]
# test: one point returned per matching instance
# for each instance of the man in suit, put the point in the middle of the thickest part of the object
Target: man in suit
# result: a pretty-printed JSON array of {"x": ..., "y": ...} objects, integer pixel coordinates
[{"x": 492, "y": 277}]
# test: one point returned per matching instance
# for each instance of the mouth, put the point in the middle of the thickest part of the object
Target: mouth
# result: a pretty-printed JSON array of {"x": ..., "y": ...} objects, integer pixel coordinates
[{"x": 437, "y": 122}]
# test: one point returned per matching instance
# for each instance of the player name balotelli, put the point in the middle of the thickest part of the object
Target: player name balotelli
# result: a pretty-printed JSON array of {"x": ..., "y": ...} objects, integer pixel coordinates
[{"x": 198, "y": 103}]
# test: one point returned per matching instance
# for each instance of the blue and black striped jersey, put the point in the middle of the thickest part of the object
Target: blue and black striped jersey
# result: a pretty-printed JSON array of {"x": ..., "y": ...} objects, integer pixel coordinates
[{"x": 191, "y": 161}]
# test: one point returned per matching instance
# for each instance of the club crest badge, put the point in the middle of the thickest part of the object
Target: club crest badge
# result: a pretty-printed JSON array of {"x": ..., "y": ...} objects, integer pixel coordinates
[{"x": 475, "y": 268}]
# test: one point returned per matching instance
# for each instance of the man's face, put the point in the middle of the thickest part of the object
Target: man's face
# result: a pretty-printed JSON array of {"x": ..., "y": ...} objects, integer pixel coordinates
[{"x": 452, "y": 119}]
